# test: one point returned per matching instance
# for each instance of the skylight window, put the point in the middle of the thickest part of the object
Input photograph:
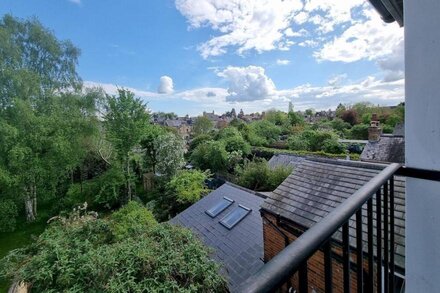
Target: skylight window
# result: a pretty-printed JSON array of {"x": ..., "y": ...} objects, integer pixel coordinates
[
  {"x": 219, "y": 207},
  {"x": 234, "y": 217}
]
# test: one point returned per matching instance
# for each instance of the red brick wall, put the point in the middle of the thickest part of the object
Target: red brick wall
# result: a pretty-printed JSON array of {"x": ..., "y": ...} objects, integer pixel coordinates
[{"x": 274, "y": 243}]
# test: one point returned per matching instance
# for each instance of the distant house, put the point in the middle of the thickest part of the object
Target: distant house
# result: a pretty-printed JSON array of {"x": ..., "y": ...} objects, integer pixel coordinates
[
  {"x": 285, "y": 160},
  {"x": 309, "y": 194},
  {"x": 385, "y": 148},
  {"x": 228, "y": 221},
  {"x": 183, "y": 128}
]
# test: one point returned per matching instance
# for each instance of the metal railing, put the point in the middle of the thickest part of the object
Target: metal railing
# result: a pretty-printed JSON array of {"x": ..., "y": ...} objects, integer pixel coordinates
[{"x": 293, "y": 259}]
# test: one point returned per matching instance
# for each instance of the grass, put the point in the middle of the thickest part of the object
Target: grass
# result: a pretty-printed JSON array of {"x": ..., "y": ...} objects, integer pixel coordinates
[{"x": 23, "y": 235}]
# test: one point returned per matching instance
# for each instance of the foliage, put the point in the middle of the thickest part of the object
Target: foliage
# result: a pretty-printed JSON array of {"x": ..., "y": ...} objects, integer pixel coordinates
[
  {"x": 196, "y": 141},
  {"x": 267, "y": 153},
  {"x": 210, "y": 155},
  {"x": 86, "y": 256},
  {"x": 130, "y": 220},
  {"x": 202, "y": 125},
  {"x": 332, "y": 146},
  {"x": 149, "y": 145},
  {"x": 237, "y": 143},
  {"x": 350, "y": 116},
  {"x": 276, "y": 117},
  {"x": 257, "y": 175},
  {"x": 314, "y": 140},
  {"x": 296, "y": 143},
  {"x": 387, "y": 128},
  {"x": 169, "y": 154},
  {"x": 8, "y": 214},
  {"x": 228, "y": 132},
  {"x": 339, "y": 124},
  {"x": 102, "y": 191},
  {"x": 266, "y": 130},
  {"x": 359, "y": 131},
  {"x": 295, "y": 118},
  {"x": 188, "y": 186}
]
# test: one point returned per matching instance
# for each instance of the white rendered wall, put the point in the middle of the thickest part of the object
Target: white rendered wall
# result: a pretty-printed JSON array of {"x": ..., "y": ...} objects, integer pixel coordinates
[{"x": 422, "y": 131}]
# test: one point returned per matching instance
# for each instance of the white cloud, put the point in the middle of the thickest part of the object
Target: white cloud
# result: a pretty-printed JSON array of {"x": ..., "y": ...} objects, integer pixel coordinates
[
  {"x": 243, "y": 24},
  {"x": 77, "y": 2},
  {"x": 283, "y": 61},
  {"x": 393, "y": 64},
  {"x": 247, "y": 83},
  {"x": 337, "y": 79},
  {"x": 371, "y": 39},
  {"x": 166, "y": 85}
]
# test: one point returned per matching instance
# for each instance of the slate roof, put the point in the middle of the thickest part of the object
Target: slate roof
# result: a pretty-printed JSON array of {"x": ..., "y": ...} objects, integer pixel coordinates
[
  {"x": 389, "y": 148},
  {"x": 240, "y": 249},
  {"x": 399, "y": 130},
  {"x": 173, "y": 123},
  {"x": 286, "y": 160},
  {"x": 317, "y": 186}
]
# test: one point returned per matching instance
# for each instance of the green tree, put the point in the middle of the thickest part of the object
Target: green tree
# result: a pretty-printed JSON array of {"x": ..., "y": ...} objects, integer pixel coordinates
[
  {"x": 125, "y": 121},
  {"x": 237, "y": 143},
  {"x": 188, "y": 186},
  {"x": 149, "y": 145},
  {"x": 44, "y": 124},
  {"x": 276, "y": 117},
  {"x": 265, "y": 129},
  {"x": 170, "y": 150},
  {"x": 359, "y": 131},
  {"x": 210, "y": 155},
  {"x": 202, "y": 125}
]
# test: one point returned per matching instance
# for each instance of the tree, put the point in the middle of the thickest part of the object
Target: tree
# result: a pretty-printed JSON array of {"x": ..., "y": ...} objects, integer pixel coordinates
[
  {"x": 170, "y": 149},
  {"x": 211, "y": 156},
  {"x": 125, "y": 252},
  {"x": 237, "y": 143},
  {"x": 295, "y": 119},
  {"x": 125, "y": 121},
  {"x": 359, "y": 131},
  {"x": 276, "y": 117},
  {"x": 149, "y": 145},
  {"x": 350, "y": 116},
  {"x": 43, "y": 122},
  {"x": 202, "y": 125},
  {"x": 188, "y": 186},
  {"x": 269, "y": 131}
]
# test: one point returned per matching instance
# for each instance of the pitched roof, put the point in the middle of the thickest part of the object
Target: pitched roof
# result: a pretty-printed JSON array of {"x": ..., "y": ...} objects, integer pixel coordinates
[
  {"x": 286, "y": 160},
  {"x": 240, "y": 249},
  {"x": 317, "y": 186},
  {"x": 399, "y": 130},
  {"x": 389, "y": 148}
]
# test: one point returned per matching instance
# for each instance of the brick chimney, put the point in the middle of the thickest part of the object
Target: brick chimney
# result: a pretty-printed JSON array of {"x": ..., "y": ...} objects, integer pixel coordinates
[{"x": 374, "y": 131}]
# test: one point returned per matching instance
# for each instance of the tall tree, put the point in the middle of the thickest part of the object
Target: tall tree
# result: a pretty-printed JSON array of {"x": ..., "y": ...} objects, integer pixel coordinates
[
  {"x": 125, "y": 121},
  {"x": 42, "y": 125},
  {"x": 202, "y": 125}
]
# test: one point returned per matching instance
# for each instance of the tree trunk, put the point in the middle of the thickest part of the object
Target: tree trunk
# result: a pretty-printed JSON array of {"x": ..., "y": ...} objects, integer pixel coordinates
[
  {"x": 30, "y": 203},
  {"x": 128, "y": 180}
]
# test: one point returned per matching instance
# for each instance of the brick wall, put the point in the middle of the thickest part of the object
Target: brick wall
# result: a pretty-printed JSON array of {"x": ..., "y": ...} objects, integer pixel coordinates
[{"x": 274, "y": 243}]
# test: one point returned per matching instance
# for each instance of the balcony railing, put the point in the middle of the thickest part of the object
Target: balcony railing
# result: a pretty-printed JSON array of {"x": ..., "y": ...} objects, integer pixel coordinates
[{"x": 380, "y": 243}]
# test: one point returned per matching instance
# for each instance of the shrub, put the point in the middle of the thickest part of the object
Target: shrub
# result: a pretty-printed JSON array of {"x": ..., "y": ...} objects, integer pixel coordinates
[
  {"x": 332, "y": 146},
  {"x": 84, "y": 256},
  {"x": 188, "y": 186},
  {"x": 359, "y": 131},
  {"x": 237, "y": 143},
  {"x": 350, "y": 116},
  {"x": 257, "y": 175},
  {"x": 8, "y": 215},
  {"x": 199, "y": 140},
  {"x": 296, "y": 143},
  {"x": 131, "y": 219}
]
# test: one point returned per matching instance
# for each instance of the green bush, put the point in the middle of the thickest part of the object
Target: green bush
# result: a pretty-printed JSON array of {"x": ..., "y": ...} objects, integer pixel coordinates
[
  {"x": 257, "y": 175},
  {"x": 8, "y": 215},
  {"x": 296, "y": 143},
  {"x": 131, "y": 219},
  {"x": 84, "y": 256},
  {"x": 237, "y": 143},
  {"x": 387, "y": 128},
  {"x": 332, "y": 146},
  {"x": 359, "y": 131},
  {"x": 199, "y": 140},
  {"x": 188, "y": 186}
]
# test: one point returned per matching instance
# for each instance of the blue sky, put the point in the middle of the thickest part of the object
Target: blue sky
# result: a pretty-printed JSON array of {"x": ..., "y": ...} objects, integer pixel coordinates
[{"x": 188, "y": 56}]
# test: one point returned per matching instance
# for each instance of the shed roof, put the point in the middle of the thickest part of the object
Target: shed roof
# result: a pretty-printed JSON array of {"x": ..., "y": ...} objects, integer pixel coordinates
[
  {"x": 239, "y": 249},
  {"x": 317, "y": 186}
]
